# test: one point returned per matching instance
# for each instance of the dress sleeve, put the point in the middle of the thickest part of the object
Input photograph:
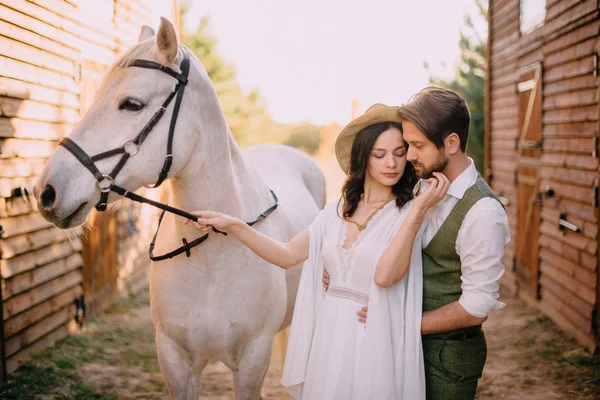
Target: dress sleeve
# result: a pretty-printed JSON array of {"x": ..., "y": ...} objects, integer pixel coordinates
[{"x": 306, "y": 309}]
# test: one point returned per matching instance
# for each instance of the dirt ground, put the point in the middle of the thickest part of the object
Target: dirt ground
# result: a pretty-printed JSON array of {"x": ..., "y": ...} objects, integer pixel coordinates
[{"x": 114, "y": 358}]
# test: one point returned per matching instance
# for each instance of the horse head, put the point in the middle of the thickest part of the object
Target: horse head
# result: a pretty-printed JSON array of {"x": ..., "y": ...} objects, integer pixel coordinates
[{"x": 135, "y": 109}]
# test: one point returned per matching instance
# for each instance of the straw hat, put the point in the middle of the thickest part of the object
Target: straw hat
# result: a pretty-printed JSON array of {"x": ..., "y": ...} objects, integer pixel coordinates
[{"x": 375, "y": 114}]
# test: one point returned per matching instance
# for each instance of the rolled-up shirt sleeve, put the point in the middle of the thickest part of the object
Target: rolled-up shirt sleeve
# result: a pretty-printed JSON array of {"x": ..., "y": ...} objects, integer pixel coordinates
[{"x": 480, "y": 245}]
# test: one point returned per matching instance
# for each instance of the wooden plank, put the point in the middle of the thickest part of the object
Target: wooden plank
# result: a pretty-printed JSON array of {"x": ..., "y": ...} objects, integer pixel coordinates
[
  {"x": 21, "y": 244},
  {"x": 584, "y": 323},
  {"x": 578, "y": 305},
  {"x": 504, "y": 101},
  {"x": 572, "y": 69},
  {"x": 16, "y": 360},
  {"x": 12, "y": 266},
  {"x": 584, "y": 195},
  {"x": 12, "y": 168},
  {"x": 503, "y": 144},
  {"x": 579, "y": 129},
  {"x": 504, "y": 165},
  {"x": 27, "y": 280},
  {"x": 504, "y": 123},
  {"x": 30, "y": 73},
  {"x": 123, "y": 12},
  {"x": 506, "y": 91},
  {"x": 31, "y": 298},
  {"x": 505, "y": 79},
  {"x": 563, "y": 265},
  {"x": 505, "y": 17},
  {"x": 24, "y": 148},
  {"x": 569, "y": 175},
  {"x": 34, "y": 39},
  {"x": 506, "y": 112},
  {"x": 583, "y": 292},
  {"x": 32, "y": 55},
  {"x": 29, "y": 129},
  {"x": 19, "y": 225},
  {"x": 573, "y": 14},
  {"x": 567, "y": 41},
  {"x": 8, "y": 184},
  {"x": 558, "y": 8},
  {"x": 29, "y": 91},
  {"x": 40, "y": 329},
  {"x": 505, "y": 134},
  {"x": 587, "y": 229},
  {"x": 578, "y": 51},
  {"x": 27, "y": 109},
  {"x": 571, "y": 145},
  {"x": 23, "y": 320},
  {"x": 501, "y": 43},
  {"x": 50, "y": 12},
  {"x": 556, "y": 246},
  {"x": 571, "y": 85},
  {"x": 569, "y": 328},
  {"x": 12, "y": 207},
  {"x": 584, "y": 211},
  {"x": 573, "y": 99},
  {"x": 39, "y": 27},
  {"x": 500, "y": 6},
  {"x": 574, "y": 114},
  {"x": 571, "y": 238}
]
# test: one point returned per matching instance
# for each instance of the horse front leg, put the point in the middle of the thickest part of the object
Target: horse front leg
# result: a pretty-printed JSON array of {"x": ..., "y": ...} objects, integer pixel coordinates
[
  {"x": 177, "y": 369},
  {"x": 248, "y": 378}
]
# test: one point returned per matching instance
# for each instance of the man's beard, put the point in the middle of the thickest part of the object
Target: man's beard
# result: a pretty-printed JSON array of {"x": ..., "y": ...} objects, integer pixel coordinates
[{"x": 440, "y": 164}]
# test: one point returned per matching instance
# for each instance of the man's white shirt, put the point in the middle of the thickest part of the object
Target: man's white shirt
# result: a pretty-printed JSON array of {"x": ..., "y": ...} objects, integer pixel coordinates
[{"x": 480, "y": 243}]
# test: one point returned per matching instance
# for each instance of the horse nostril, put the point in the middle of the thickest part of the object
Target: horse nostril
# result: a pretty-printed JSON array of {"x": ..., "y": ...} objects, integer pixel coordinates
[{"x": 48, "y": 197}]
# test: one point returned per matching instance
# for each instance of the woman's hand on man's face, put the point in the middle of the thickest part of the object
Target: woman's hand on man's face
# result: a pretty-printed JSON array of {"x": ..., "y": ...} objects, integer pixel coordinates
[{"x": 437, "y": 187}]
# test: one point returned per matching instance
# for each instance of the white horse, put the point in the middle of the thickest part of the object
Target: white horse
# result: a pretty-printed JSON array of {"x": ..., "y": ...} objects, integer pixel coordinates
[{"x": 222, "y": 303}]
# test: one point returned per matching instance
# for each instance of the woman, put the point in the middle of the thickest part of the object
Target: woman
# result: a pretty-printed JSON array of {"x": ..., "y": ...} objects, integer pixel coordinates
[{"x": 365, "y": 241}]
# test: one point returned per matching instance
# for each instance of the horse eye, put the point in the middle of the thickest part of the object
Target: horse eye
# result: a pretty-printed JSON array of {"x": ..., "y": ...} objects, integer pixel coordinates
[{"x": 131, "y": 105}]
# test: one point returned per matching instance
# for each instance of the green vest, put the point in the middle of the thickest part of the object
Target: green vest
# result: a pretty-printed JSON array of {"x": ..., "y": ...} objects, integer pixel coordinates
[{"x": 441, "y": 264}]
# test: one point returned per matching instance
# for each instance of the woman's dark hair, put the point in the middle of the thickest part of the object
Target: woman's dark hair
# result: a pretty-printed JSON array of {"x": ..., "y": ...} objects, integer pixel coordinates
[{"x": 354, "y": 185}]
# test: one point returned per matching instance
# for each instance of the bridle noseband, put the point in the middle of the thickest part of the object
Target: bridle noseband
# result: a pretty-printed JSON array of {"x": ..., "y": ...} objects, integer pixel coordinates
[{"x": 130, "y": 147}]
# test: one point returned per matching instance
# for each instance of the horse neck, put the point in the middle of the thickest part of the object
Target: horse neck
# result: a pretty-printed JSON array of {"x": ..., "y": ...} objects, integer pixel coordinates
[{"x": 215, "y": 176}]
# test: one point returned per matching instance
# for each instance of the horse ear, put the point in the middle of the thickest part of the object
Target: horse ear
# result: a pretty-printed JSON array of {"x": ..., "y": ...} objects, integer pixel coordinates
[
  {"x": 145, "y": 33},
  {"x": 166, "y": 42}
]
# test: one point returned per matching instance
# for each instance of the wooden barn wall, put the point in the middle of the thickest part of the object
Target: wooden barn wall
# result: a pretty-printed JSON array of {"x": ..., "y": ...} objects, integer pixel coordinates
[
  {"x": 567, "y": 46},
  {"x": 43, "y": 44}
]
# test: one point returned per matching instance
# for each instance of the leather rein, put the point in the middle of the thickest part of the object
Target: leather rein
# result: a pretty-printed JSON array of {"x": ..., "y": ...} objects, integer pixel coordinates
[{"x": 130, "y": 147}]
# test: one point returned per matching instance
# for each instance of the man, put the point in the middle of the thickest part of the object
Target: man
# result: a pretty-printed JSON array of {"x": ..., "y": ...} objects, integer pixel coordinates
[{"x": 463, "y": 245}]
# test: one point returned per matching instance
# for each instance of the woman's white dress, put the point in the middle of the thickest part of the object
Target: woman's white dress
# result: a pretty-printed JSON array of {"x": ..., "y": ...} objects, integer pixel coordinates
[{"x": 331, "y": 355}]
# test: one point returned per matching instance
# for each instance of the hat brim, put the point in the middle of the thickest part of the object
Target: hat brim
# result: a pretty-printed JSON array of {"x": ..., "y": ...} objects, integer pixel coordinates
[{"x": 344, "y": 141}]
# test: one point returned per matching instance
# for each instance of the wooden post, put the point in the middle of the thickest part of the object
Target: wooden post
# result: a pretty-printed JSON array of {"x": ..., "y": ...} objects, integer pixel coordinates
[{"x": 487, "y": 99}]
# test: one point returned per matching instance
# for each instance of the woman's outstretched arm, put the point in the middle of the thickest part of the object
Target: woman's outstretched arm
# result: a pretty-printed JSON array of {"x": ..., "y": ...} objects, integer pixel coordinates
[{"x": 284, "y": 255}]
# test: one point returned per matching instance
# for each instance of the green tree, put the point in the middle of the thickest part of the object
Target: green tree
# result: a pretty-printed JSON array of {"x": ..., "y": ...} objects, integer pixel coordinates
[
  {"x": 305, "y": 137},
  {"x": 469, "y": 81},
  {"x": 244, "y": 111}
]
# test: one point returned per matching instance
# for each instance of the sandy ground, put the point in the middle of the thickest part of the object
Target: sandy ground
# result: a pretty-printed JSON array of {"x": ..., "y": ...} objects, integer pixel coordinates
[{"x": 529, "y": 358}]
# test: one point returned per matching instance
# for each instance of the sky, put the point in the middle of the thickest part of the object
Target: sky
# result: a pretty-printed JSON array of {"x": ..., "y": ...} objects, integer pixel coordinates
[{"x": 310, "y": 58}]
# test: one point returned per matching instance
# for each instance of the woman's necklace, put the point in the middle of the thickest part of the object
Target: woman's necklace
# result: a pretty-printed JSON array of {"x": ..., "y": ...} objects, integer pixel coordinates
[{"x": 364, "y": 224}]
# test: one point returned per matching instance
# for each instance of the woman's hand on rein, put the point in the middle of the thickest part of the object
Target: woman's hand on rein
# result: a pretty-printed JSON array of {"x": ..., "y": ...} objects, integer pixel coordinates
[
  {"x": 209, "y": 219},
  {"x": 437, "y": 186}
]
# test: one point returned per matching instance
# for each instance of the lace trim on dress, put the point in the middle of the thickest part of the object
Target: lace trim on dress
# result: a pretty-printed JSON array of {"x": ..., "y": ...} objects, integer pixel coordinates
[
  {"x": 350, "y": 294},
  {"x": 346, "y": 256}
]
